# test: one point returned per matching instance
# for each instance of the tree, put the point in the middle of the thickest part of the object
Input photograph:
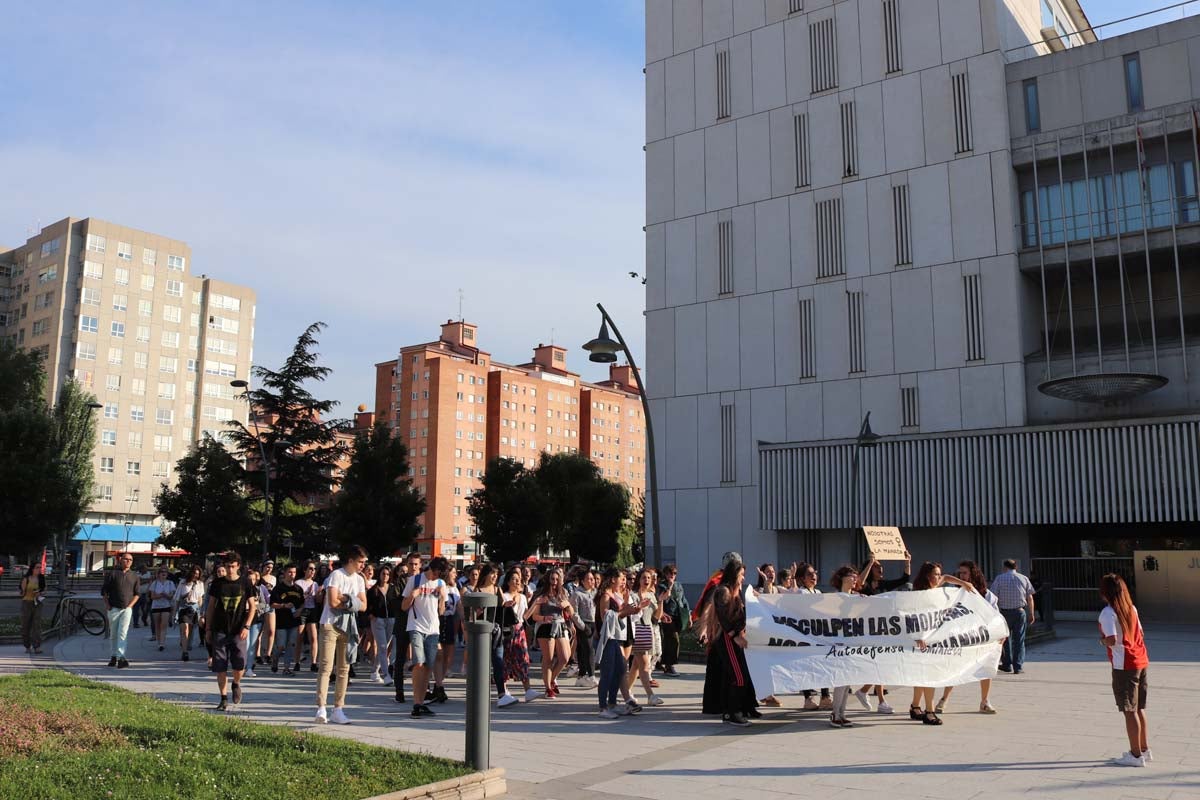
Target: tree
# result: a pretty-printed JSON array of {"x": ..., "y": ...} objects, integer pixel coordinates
[
  {"x": 303, "y": 465},
  {"x": 508, "y": 511},
  {"x": 378, "y": 506},
  {"x": 584, "y": 511},
  {"x": 208, "y": 505},
  {"x": 47, "y": 470}
]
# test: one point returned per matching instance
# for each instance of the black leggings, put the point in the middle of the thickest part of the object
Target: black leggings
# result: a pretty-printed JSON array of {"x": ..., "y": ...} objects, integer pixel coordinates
[{"x": 583, "y": 650}]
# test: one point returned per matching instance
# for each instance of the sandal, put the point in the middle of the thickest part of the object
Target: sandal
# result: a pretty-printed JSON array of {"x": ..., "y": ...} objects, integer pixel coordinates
[
  {"x": 931, "y": 718},
  {"x": 914, "y": 712},
  {"x": 941, "y": 705}
]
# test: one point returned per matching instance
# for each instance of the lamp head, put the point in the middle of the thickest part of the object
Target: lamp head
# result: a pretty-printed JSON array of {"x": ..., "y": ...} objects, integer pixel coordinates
[
  {"x": 866, "y": 436},
  {"x": 238, "y": 383},
  {"x": 95, "y": 406},
  {"x": 603, "y": 348}
]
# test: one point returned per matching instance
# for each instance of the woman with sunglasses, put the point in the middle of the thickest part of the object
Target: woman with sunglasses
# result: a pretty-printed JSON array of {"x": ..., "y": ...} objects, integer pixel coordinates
[{"x": 308, "y": 616}]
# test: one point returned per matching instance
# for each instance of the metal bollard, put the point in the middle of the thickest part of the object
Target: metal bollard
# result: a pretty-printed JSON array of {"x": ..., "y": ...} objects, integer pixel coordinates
[{"x": 479, "y": 611}]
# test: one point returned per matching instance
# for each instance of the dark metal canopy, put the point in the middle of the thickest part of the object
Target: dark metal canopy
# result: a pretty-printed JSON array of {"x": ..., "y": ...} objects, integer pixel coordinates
[{"x": 1105, "y": 387}]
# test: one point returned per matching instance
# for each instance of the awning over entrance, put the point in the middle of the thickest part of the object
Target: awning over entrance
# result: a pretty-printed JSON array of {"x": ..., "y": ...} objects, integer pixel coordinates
[{"x": 95, "y": 532}]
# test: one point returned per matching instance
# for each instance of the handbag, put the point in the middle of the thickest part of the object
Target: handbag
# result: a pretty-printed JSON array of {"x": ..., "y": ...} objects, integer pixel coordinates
[{"x": 643, "y": 637}]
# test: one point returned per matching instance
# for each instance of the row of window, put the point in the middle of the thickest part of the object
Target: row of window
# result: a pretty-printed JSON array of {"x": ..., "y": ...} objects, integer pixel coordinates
[
  {"x": 163, "y": 442},
  {"x": 1135, "y": 99},
  {"x": 95, "y": 270},
  {"x": 99, "y": 244},
  {"x": 104, "y": 493},
  {"x": 108, "y": 465}
]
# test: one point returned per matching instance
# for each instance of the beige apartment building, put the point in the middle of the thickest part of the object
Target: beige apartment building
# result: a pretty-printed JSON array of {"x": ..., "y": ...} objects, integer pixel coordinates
[
  {"x": 458, "y": 409},
  {"x": 119, "y": 310}
]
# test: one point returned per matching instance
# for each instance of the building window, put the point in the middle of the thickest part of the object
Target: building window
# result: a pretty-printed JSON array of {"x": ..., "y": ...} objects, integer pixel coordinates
[
  {"x": 149, "y": 257},
  {"x": 162, "y": 442},
  {"x": 161, "y": 469},
  {"x": 116, "y": 356},
  {"x": 962, "y": 113},
  {"x": 106, "y": 464},
  {"x": 93, "y": 269},
  {"x": 120, "y": 302},
  {"x": 118, "y": 330},
  {"x": 725, "y": 257},
  {"x": 831, "y": 259},
  {"x": 175, "y": 288},
  {"x": 168, "y": 364},
  {"x": 800, "y": 143},
  {"x": 164, "y": 416},
  {"x": 51, "y": 247},
  {"x": 145, "y": 308},
  {"x": 808, "y": 338},
  {"x": 147, "y": 283},
  {"x": 723, "y": 85},
  {"x": 973, "y": 314},
  {"x": 137, "y": 413},
  {"x": 1133, "y": 82},
  {"x": 143, "y": 333},
  {"x": 125, "y": 251},
  {"x": 172, "y": 313},
  {"x": 89, "y": 297},
  {"x": 89, "y": 324},
  {"x": 170, "y": 339},
  {"x": 822, "y": 44},
  {"x": 111, "y": 411},
  {"x": 133, "y": 468},
  {"x": 902, "y": 222},
  {"x": 122, "y": 276},
  {"x": 108, "y": 438},
  {"x": 141, "y": 360},
  {"x": 96, "y": 244},
  {"x": 891, "y": 35},
  {"x": 137, "y": 386},
  {"x": 910, "y": 410},
  {"x": 728, "y": 443},
  {"x": 175, "y": 262},
  {"x": 795, "y": 6},
  {"x": 1033, "y": 111},
  {"x": 849, "y": 140},
  {"x": 112, "y": 382},
  {"x": 854, "y": 317}
]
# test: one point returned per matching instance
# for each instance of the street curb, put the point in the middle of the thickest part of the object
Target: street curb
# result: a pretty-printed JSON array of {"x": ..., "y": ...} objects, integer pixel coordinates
[{"x": 475, "y": 786}]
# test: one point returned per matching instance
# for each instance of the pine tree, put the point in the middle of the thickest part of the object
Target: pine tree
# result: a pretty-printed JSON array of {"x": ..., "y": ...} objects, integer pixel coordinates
[
  {"x": 208, "y": 506},
  {"x": 378, "y": 506}
]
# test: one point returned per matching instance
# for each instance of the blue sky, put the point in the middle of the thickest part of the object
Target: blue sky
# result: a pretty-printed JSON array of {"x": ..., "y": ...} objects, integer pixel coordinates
[{"x": 355, "y": 162}]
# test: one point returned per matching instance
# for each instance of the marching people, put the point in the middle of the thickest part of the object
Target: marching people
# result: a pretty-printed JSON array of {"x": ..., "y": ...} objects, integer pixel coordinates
[
  {"x": 844, "y": 581},
  {"x": 33, "y": 591},
  {"x": 448, "y": 625},
  {"x": 807, "y": 576},
  {"x": 930, "y": 577},
  {"x": 513, "y": 608},
  {"x": 1122, "y": 636},
  {"x": 383, "y": 605},
  {"x": 262, "y": 603},
  {"x": 345, "y": 595},
  {"x": 1015, "y": 594},
  {"x": 310, "y": 616},
  {"x": 643, "y": 596},
  {"x": 970, "y": 572},
  {"x": 202, "y": 627},
  {"x": 121, "y": 591},
  {"x": 410, "y": 567},
  {"x": 676, "y": 617},
  {"x": 266, "y": 642},
  {"x": 728, "y": 689},
  {"x": 189, "y": 604},
  {"x": 872, "y": 582},
  {"x": 162, "y": 595},
  {"x": 616, "y": 634},
  {"x": 286, "y": 600},
  {"x": 488, "y": 583},
  {"x": 550, "y": 610},
  {"x": 232, "y": 602},
  {"x": 424, "y": 599},
  {"x": 583, "y": 600},
  {"x": 363, "y": 649}
]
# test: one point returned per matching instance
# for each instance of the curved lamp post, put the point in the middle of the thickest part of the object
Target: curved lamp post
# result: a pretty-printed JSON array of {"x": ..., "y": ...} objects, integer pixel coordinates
[
  {"x": 262, "y": 451},
  {"x": 866, "y": 438},
  {"x": 604, "y": 351}
]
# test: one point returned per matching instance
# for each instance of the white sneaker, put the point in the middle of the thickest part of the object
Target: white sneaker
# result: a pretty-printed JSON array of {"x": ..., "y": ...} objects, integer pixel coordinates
[
  {"x": 249, "y": 673},
  {"x": 571, "y": 671},
  {"x": 884, "y": 708},
  {"x": 861, "y": 696},
  {"x": 376, "y": 678},
  {"x": 1147, "y": 756},
  {"x": 655, "y": 700},
  {"x": 506, "y": 700},
  {"x": 338, "y": 717},
  {"x": 608, "y": 713},
  {"x": 593, "y": 683},
  {"x": 533, "y": 694},
  {"x": 1128, "y": 759},
  {"x": 322, "y": 717},
  {"x": 621, "y": 711},
  {"x": 582, "y": 682}
]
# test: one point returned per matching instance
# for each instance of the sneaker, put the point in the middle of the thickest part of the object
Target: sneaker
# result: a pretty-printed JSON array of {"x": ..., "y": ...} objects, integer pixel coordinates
[
  {"x": 37, "y": 651},
  {"x": 275, "y": 665},
  {"x": 608, "y": 713},
  {"x": 352, "y": 672},
  {"x": 809, "y": 705},
  {"x": 861, "y": 697},
  {"x": 940, "y": 707},
  {"x": 112, "y": 662},
  {"x": 122, "y": 663},
  {"x": 185, "y": 657},
  {"x": 1128, "y": 759},
  {"x": 312, "y": 667},
  {"x": 884, "y": 708},
  {"x": 554, "y": 687},
  {"x": 237, "y": 693},
  {"x": 439, "y": 694},
  {"x": 532, "y": 694},
  {"x": 571, "y": 671},
  {"x": 736, "y": 719},
  {"x": 322, "y": 717},
  {"x": 754, "y": 713},
  {"x": 1003, "y": 668},
  {"x": 506, "y": 700},
  {"x": 633, "y": 706},
  {"x": 581, "y": 682},
  {"x": 988, "y": 708},
  {"x": 1147, "y": 756},
  {"x": 621, "y": 711},
  {"x": 376, "y": 677},
  {"x": 826, "y": 704},
  {"x": 249, "y": 673},
  {"x": 422, "y": 711},
  {"x": 674, "y": 673},
  {"x": 222, "y": 706},
  {"x": 287, "y": 672},
  {"x": 338, "y": 717},
  {"x": 161, "y": 648},
  {"x": 655, "y": 700}
]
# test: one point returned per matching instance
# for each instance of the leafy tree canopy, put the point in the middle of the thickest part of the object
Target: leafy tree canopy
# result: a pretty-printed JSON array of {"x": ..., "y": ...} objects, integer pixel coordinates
[
  {"x": 378, "y": 506},
  {"x": 508, "y": 511},
  {"x": 208, "y": 505}
]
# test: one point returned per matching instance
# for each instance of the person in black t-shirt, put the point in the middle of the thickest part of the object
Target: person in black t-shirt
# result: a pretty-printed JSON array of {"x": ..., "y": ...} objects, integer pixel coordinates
[
  {"x": 231, "y": 607},
  {"x": 287, "y": 599}
]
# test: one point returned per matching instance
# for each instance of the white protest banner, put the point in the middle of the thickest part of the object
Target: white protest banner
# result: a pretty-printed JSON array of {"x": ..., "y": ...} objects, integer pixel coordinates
[
  {"x": 812, "y": 641},
  {"x": 886, "y": 543}
]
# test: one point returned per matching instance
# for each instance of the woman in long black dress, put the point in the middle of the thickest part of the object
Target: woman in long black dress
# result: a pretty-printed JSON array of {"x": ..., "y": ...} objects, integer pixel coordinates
[{"x": 728, "y": 689}]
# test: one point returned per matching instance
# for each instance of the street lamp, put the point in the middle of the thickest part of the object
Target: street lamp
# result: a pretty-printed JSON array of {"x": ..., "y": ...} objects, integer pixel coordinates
[
  {"x": 278, "y": 443},
  {"x": 866, "y": 438},
  {"x": 604, "y": 351}
]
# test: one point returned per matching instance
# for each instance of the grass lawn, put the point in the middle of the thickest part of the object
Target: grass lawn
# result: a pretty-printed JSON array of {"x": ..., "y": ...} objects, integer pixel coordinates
[{"x": 62, "y": 736}]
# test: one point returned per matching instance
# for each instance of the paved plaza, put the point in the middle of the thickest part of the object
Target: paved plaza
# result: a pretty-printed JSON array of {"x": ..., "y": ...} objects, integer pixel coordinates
[{"x": 1053, "y": 738}]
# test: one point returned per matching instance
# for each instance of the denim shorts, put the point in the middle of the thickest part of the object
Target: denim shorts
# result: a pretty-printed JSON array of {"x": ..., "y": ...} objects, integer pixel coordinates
[{"x": 424, "y": 647}]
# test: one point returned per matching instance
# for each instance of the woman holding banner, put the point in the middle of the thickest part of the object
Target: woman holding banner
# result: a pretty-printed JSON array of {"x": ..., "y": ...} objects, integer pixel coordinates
[
  {"x": 930, "y": 577},
  {"x": 845, "y": 581},
  {"x": 969, "y": 571},
  {"x": 872, "y": 582},
  {"x": 806, "y": 576},
  {"x": 728, "y": 689}
]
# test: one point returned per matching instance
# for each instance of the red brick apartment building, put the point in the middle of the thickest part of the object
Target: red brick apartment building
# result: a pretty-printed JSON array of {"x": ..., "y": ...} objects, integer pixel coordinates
[{"x": 457, "y": 408}]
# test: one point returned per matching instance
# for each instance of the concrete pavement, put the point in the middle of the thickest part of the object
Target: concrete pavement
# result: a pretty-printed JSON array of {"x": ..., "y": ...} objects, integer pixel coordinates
[{"x": 1055, "y": 733}]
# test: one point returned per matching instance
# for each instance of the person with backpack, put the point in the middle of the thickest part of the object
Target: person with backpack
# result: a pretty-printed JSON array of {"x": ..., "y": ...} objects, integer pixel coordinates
[{"x": 425, "y": 601}]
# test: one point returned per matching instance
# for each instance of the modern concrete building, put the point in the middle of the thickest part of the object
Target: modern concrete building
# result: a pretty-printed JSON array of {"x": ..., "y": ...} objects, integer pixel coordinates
[
  {"x": 857, "y": 207},
  {"x": 459, "y": 409},
  {"x": 119, "y": 310}
]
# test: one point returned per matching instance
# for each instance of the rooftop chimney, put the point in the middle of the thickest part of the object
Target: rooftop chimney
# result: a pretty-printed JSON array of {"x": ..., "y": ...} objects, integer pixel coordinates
[
  {"x": 550, "y": 357},
  {"x": 459, "y": 333}
]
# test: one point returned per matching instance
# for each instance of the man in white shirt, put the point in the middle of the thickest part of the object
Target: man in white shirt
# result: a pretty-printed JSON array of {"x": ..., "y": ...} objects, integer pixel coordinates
[
  {"x": 425, "y": 602},
  {"x": 345, "y": 595}
]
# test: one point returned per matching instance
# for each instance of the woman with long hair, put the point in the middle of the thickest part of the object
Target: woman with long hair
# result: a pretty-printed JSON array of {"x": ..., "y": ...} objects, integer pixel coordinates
[
  {"x": 929, "y": 577},
  {"x": 513, "y": 605},
  {"x": 613, "y": 611},
  {"x": 845, "y": 581},
  {"x": 189, "y": 604},
  {"x": 550, "y": 609},
  {"x": 309, "y": 615},
  {"x": 448, "y": 627},
  {"x": 871, "y": 582},
  {"x": 766, "y": 580},
  {"x": 728, "y": 689},
  {"x": 262, "y": 596},
  {"x": 970, "y": 572},
  {"x": 488, "y": 582},
  {"x": 33, "y": 590},
  {"x": 162, "y": 595},
  {"x": 383, "y": 606},
  {"x": 1121, "y": 634},
  {"x": 645, "y": 596},
  {"x": 807, "y": 577}
]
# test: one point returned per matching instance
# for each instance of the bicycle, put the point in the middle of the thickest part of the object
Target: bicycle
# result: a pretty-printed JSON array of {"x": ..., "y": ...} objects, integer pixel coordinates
[{"x": 71, "y": 612}]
